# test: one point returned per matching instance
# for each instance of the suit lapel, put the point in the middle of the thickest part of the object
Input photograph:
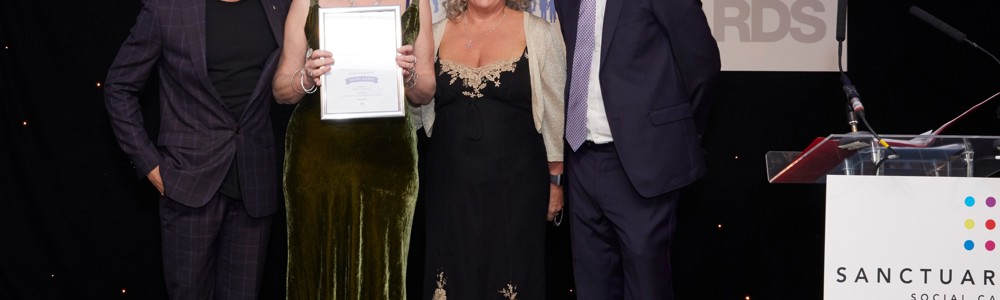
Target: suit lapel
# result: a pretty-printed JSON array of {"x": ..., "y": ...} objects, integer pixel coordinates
[
  {"x": 612, "y": 9},
  {"x": 275, "y": 18},
  {"x": 570, "y": 20},
  {"x": 194, "y": 25}
]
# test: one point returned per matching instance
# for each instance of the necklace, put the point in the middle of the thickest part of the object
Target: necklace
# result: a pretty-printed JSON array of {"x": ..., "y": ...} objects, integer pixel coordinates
[
  {"x": 355, "y": 2},
  {"x": 468, "y": 43}
]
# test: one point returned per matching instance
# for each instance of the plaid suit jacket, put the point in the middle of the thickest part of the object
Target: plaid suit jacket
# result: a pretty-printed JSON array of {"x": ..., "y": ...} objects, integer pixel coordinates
[{"x": 198, "y": 136}]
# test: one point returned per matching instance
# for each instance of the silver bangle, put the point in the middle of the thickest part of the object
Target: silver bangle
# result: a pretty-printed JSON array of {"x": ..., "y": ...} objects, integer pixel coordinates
[
  {"x": 412, "y": 81},
  {"x": 291, "y": 83},
  {"x": 302, "y": 82}
]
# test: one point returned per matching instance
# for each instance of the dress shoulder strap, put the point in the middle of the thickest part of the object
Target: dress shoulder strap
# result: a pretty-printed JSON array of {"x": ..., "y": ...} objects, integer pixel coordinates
[{"x": 312, "y": 25}]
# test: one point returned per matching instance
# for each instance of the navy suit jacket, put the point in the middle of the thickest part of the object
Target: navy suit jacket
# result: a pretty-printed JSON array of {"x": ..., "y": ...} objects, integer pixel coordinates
[
  {"x": 658, "y": 65},
  {"x": 198, "y": 137}
]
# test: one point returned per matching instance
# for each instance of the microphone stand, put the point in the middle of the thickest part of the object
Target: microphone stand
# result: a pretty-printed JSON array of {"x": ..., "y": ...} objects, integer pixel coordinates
[
  {"x": 852, "y": 119},
  {"x": 854, "y": 109}
]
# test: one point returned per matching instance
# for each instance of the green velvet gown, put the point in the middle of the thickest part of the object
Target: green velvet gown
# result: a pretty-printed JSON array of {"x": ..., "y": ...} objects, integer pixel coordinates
[{"x": 350, "y": 190}]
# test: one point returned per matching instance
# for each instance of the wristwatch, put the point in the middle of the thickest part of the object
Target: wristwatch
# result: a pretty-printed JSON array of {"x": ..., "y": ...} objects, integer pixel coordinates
[{"x": 556, "y": 179}]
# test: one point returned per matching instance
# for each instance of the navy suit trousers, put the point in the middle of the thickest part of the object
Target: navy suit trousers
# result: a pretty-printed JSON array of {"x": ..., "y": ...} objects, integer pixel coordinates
[{"x": 621, "y": 240}]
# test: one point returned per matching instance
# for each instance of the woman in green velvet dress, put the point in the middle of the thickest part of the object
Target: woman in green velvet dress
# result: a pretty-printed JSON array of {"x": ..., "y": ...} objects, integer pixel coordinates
[{"x": 350, "y": 185}]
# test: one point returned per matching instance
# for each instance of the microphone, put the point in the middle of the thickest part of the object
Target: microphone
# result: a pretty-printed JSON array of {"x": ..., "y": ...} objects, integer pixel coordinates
[
  {"x": 937, "y": 23},
  {"x": 849, "y": 90},
  {"x": 855, "y": 110},
  {"x": 947, "y": 29},
  {"x": 951, "y": 32},
  {"x": 841, "y": 19},
  {"x": 853, "y": 99}
]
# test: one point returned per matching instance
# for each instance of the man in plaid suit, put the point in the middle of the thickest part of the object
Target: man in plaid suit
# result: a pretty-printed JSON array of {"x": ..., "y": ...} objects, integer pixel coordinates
[{"x": 214, "y": 158}]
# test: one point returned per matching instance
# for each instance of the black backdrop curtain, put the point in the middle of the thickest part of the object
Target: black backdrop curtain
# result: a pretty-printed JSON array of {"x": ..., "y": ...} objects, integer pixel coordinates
[{"x": 76, "y": 223}]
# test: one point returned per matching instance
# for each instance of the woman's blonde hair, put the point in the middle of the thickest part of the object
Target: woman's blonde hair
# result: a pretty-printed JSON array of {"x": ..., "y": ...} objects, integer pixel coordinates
[{"x": 456, "y": 8}]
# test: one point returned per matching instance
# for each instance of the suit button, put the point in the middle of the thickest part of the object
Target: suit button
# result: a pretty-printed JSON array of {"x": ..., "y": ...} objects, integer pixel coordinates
[{"x": 237, "y": 130}]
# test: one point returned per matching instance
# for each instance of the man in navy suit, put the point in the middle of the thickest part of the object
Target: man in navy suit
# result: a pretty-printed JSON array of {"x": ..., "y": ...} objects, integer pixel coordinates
[
  {"x": 640, "y": 78},
  {"x": 214, "y": 158}
]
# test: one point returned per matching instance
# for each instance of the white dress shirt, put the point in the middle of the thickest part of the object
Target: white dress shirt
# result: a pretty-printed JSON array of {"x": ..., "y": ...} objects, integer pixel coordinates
[{"x": 598, "y": 129}]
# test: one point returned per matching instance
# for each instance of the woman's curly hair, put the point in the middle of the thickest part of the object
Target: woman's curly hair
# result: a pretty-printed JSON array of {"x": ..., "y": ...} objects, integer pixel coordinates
[{"x": 456, "y": 8}]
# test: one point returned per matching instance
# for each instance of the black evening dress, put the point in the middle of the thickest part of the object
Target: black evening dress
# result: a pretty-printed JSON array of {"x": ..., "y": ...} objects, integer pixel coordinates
[{"x": 486, "y": 185}]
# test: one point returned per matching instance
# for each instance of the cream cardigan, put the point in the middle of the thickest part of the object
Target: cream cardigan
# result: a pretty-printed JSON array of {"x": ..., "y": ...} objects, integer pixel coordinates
[{"x": 548, "y": 81}]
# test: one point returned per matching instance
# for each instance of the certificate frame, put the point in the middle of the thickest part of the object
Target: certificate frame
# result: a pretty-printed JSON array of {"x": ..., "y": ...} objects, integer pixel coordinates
[{"x": 364, "y": 81}]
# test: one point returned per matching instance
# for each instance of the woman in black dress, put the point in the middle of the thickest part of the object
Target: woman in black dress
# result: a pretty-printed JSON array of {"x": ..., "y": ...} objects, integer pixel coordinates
[{"x": 496, "y": 137}]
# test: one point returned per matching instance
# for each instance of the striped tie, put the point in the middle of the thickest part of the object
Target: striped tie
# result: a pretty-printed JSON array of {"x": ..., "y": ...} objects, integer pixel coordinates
[{"x": 576, "y": 113}]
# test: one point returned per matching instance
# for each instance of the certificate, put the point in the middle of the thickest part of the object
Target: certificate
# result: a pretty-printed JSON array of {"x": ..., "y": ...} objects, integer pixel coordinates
[{"x": 364, "y": 81}]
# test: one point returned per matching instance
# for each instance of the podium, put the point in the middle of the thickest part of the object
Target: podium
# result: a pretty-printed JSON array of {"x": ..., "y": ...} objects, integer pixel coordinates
[
  {"x": 919, "y": 225},
  {"x": 860, "y": 154}
]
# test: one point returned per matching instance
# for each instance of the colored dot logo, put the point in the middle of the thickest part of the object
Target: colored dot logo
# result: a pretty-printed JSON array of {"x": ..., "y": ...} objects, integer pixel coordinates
[{"x": 987, "y": 224}]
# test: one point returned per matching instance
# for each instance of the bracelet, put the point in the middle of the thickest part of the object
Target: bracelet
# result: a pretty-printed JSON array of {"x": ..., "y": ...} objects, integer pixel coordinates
[
  {"x": 302, "y": 82},
  {"x": 291, "y": 82},
  {"x": 412, "y": 81}
]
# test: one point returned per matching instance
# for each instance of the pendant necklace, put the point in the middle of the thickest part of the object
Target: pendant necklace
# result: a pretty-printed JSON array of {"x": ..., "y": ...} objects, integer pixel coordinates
[{"x": 468, "y": 43}]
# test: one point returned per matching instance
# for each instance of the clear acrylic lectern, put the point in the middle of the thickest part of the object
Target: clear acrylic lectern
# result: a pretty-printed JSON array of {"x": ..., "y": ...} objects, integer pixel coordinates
[{"x": 910, "y": 155}]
